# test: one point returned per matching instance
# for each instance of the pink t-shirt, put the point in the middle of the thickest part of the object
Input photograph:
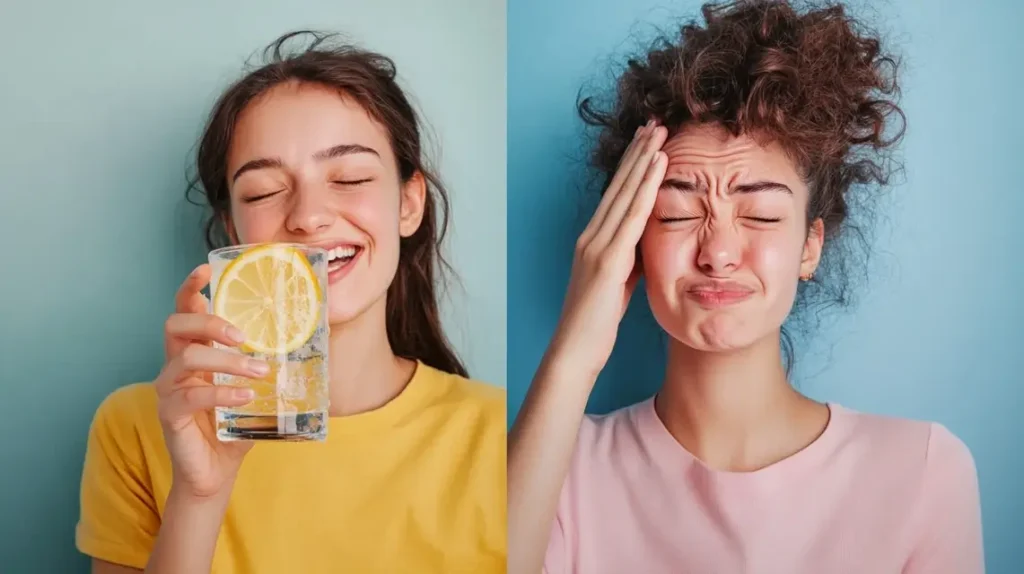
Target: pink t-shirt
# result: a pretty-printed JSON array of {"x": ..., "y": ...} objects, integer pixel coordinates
[{"x": 872, "y": 495}]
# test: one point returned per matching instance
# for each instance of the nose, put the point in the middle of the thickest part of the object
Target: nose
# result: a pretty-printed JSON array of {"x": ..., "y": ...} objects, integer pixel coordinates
[
  {"x": 718, "y": 249},
  {"x": 310, "y": 212}
]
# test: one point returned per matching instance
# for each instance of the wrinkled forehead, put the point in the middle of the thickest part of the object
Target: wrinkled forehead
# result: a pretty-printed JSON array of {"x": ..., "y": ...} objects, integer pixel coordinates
[{"x": 709, "y": 153}]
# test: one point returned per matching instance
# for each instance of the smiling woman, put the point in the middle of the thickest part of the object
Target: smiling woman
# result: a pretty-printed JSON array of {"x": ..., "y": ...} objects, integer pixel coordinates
[{"x": 318, "y": 147}]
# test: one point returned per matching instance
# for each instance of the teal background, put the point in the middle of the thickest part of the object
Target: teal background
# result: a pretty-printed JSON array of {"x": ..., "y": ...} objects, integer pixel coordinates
[
  {"x": 938, "y": 330},
  {"x": 100, "y": 105}
]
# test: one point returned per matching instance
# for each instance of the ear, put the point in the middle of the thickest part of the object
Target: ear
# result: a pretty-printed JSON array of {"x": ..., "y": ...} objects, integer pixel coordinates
[
  {"x": 413, "y": 200},
  {"x": 812, "y": 248}
]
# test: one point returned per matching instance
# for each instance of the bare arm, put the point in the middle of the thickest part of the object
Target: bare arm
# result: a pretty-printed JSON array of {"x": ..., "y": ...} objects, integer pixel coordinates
[
  {"x": 540, "y": 449},
  {"x": 604, "y": 274},
  {"x": 188, "y": 534},
  {"x": 203, "y": 467},
  {"x": 187, "y": 538}
]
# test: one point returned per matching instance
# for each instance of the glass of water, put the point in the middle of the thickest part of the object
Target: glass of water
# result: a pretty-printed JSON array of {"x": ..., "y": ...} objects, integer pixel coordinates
[{"x": 276, "y": 293}]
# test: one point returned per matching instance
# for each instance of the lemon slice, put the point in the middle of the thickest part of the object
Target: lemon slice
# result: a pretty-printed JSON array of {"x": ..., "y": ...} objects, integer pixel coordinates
[{"x": 271, "y": 293}]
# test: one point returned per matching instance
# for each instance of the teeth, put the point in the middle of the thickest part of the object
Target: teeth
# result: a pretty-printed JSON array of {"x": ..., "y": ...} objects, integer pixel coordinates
[{"x": 341, "y": 253}]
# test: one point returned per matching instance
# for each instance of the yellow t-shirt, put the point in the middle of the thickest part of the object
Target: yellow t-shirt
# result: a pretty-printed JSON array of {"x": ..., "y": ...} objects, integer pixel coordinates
[{"x": 415, "y": 486}]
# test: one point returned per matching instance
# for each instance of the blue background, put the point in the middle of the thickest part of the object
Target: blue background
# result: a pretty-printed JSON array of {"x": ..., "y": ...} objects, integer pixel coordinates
[
  {"x": 938, "y": 330},
  {"x": 101, "y": 104}
]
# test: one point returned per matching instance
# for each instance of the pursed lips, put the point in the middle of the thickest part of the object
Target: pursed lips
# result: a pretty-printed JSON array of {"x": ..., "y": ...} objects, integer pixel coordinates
[{"x": 714, "y": 293}]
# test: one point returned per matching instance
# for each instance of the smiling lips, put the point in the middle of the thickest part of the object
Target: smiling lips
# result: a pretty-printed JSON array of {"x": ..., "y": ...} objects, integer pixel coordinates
[
  {"x": 341, "y": 258},
  {"x": 714, "y": 294},
  {"x": 341, "y": 255}
]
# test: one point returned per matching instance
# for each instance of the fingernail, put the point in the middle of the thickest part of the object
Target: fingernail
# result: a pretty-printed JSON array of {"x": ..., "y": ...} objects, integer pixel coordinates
[
  {"x": 235, "y": 334},
  {"x": 244, "y": 394},
  {"x": 258, "y": 367}
]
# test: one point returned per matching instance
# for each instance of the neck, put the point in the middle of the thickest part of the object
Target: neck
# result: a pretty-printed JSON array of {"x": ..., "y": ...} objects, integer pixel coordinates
[
  {"x": 364, "y": 372},
  {"x": 735, "y": 410}
]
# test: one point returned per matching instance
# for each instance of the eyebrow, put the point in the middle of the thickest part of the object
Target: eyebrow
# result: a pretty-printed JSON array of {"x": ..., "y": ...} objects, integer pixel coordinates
[
  {"x": 755, "y": 187},
  {"x": 329, "y": 153}
]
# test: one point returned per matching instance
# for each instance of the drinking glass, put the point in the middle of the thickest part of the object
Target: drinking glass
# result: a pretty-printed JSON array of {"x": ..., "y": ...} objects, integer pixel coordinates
[{"x": 276, "y": 294}]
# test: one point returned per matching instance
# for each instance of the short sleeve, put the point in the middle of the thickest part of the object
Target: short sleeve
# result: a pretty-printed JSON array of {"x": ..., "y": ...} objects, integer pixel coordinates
[
  {"x": 118, "y": 519},
  {"x": 555, "y": 561},
  {"x": 949, "y": 539},
  {"x": 559, "y": 558}
]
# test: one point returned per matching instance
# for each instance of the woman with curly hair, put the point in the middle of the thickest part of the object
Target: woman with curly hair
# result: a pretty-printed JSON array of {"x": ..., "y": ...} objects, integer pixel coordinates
[{"x": 733, "y": 157}]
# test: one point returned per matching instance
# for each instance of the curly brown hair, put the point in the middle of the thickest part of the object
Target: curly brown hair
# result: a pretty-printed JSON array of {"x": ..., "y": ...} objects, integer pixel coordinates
[{"x": 812, "y": 80}]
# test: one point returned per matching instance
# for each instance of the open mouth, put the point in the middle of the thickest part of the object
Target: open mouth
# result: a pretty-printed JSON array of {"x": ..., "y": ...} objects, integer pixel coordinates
[{"x": 340, "y": 257}]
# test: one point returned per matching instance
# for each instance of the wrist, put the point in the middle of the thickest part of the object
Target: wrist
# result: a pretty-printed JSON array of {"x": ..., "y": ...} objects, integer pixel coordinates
[
  {"x": 189, "y": 528},
  {"x": 566, "y": 357},
  {"x": 183, "y": 495},
  {"x": 563, "y": 364}
]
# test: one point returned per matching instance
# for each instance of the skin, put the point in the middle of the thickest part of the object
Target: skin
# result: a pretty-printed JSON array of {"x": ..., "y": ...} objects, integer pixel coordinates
[
  {"x": 301, "y": 197},
  {"x": 690, "y": 204},
  {"x": 730, "y": 212}
]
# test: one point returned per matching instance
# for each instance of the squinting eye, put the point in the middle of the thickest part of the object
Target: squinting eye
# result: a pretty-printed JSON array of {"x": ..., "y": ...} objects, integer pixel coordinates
[{"x": 259, "y": 197}]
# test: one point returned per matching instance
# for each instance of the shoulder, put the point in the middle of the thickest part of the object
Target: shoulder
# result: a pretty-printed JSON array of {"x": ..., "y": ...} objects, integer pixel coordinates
[
  {"x": 947, "y": 450},
  {"x": 468, "y": 394},
  {"x": 130, "y": 398},
  {"x": 933, "y": 465},
  {"x": 625, "y": 429},
  {"x": 931, "y": 445},
  {"x": 931, "y": 470},
  {"x": 883, "y": 432},
  {"x": 475, "y": 391},
  {"x": 127, "y": 412},
  {"x": 125, "y": 431},
  {"x": 949, "y": 466},
  {"x": 620, "y": 419},
  {"x": 125, "y": 475}
]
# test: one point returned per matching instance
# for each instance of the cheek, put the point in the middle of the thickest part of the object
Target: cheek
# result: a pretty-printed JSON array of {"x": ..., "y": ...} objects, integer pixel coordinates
[
  {"x": 775, "y": 258},
  {"x": 374, "y": 212},
  {"x": 665, "y": 258},
  {"x": 256, "y": 224}
]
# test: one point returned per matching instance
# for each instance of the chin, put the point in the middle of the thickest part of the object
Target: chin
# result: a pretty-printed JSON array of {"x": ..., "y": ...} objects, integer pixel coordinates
[
  {"x": 344, "y": 313},
  {"x": 713, "y": 339},
  {"x": 347, "y": 305},
  {"x": 712, "y": 333},
  {"x": 340, "y": 317}
]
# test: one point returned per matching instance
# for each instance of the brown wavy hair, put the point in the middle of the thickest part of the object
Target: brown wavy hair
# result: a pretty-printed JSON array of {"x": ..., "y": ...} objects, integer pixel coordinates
[
  {"x": 413, "y": 320},
  {"x": 815, "y": 81}
]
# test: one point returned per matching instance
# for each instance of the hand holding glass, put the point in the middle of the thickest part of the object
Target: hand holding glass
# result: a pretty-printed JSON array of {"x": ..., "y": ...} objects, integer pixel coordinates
[{"x": 276, "y": 294}]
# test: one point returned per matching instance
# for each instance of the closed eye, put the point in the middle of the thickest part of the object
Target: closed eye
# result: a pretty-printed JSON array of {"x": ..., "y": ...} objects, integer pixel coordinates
[
  {"x": 259, "y": 197},
  {"x": 765, "y": 219},
  {"x": 675, "y": 219},
  {"x": 352, "y": 181}
]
